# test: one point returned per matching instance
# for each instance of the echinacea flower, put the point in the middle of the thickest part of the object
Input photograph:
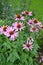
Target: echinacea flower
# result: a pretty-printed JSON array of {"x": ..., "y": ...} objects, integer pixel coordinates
[
  {"x": 28, "y": 46},
  {"x": 11, "y": 33},
  {"x": 33, "y": 22},
  {"x": 3, "y": 29},
  {"x": 18, "y": 26},
  {"x": 30, "y": 22},
  {"x": 34, "y": 29},
  {"x": 27, "y": 13},
  {"x": 36, "y": 22},
  {"x": 19, "y": 17}
]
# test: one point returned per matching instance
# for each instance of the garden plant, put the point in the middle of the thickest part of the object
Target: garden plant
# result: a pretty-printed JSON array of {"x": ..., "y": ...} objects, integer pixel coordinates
[{"x": 20, "y": 35}]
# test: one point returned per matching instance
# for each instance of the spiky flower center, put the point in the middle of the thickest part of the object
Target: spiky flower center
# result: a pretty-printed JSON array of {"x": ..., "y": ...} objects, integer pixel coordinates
[
  {"x": 19, "y": 25},
  {"x": 35, "y": 21},
  {"x": 19, "y": 16},
  {"x": 26, "y": 12},
  {"x": 34, "y": 28},
  {"x": 4, "y": 28},
  {"x": 27, "y": 44},
  {"x": 11, "y": 32}
]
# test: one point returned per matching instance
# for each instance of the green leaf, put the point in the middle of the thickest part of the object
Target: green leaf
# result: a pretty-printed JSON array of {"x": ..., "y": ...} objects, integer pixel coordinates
[
  {"x": 13, "y": 56},
  {"x": 30, "y": 61}
]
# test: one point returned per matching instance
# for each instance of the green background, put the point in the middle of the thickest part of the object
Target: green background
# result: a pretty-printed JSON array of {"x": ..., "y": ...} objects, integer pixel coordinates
[{"x": 35, "y": 5}]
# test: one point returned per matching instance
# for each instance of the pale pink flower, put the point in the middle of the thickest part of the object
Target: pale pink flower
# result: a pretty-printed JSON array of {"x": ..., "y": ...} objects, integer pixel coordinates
[
  {"x": 33, "y": 22},
  {"x": 11, "y": 33},
  {"x": 27, "y": 13},
  {"x": 36, "y": 22},
  {"x": 19, "y": 17},
  {"x": 13, "y": 36},
  {"x": 28, "y": 46},
  {"x": 33, "y": 29},
  {"x": 8, "y": 30},
  {"x": 3, "y": 29},
  {"x": 30, "y": 22},
  {"x": 18, "y": 26}
]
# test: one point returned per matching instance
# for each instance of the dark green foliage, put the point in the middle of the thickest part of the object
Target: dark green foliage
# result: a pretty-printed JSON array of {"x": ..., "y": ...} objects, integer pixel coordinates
[
  {"x": 12, "y": 53},
  {"x": 6, "y": 10}
]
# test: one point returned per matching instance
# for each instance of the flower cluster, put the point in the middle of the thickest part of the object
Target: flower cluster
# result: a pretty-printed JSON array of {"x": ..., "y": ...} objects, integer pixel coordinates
[
  {"x": 28, "y": 44},
  {"x": 21, "y": 17},
  {"x": 12, "y": 31},
  {"x": 35, "y": 25}
]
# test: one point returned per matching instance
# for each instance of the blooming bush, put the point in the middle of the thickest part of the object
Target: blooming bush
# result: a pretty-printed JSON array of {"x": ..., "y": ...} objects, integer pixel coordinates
[{"x": 18, "y": 42}]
